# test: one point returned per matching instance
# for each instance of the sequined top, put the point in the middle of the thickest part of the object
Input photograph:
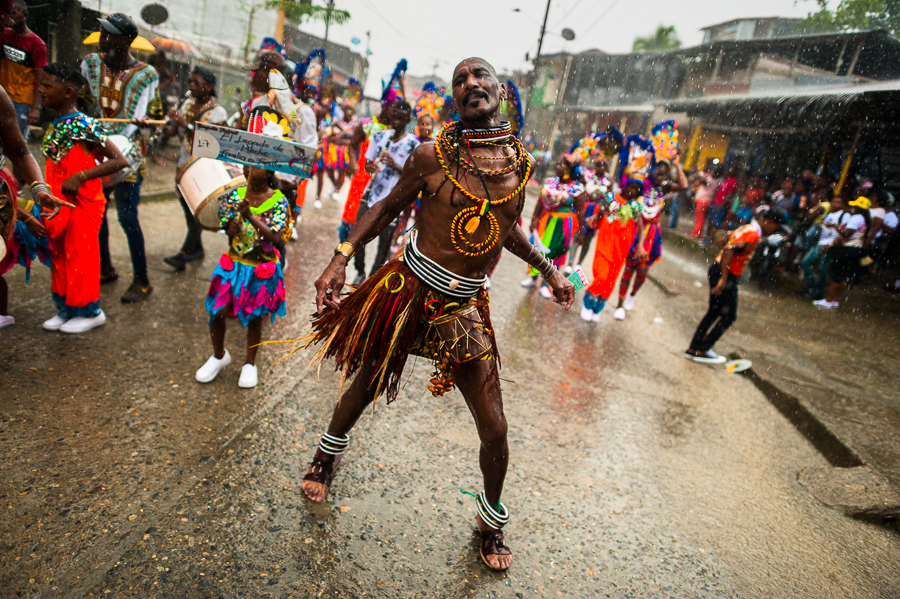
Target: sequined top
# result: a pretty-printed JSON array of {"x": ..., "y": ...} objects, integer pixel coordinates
[
  {"x": 596, "y": 187},
  {"x": 557, "y": 195},
  {"x": 620, "y": 209},
  {"x": 248, "y": 246},
  {"x": 65, "y": 131}
]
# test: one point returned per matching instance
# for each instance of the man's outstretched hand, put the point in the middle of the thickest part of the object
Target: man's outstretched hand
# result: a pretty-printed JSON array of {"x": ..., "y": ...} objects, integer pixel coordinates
[
  {"x": 563, "y": 290},
  {"x": 330, "y": 284}
]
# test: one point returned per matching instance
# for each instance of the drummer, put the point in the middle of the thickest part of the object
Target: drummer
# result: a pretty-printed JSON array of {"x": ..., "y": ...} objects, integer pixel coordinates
[
  {"x": 124, "y": 88},
  {"x": 200, "y": 107}
]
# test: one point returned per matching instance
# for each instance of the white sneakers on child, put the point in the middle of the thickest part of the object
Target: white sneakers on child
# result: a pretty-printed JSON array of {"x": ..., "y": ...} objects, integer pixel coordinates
[
  {"x": 5, "y": 321},
  {"x": 81, "y": 324},
  {"x": 209, "y": 371},
  {"x": 545, "y": 292},
  {"x": 628, "y": 304},
  {"x": 619, "y": 314},
  {"x": 317, "y": 204},
  {"x": 335, "y": 196},
  {"x": 54, "y": 323},
  {"x": 824, "y": 304},
  {"x": 587, "y": 314},
  {"x": 529, "y": 282},
  {"x": 249, "y": 377},
  {"x": 487, "y": 282}
]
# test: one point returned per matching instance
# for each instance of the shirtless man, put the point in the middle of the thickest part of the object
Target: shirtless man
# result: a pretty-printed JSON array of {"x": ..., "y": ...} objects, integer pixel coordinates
[{"x": 439, "y": 277}]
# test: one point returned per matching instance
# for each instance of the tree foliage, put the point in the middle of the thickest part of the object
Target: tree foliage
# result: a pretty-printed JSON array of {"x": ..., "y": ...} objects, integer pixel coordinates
[
  {"x": 854, "y": 15},
  {"x": 665, "y": 38},
  {"x": 297, "y": 11}
]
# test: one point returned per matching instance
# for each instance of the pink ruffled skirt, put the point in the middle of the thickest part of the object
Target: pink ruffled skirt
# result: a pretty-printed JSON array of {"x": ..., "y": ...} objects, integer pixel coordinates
[{"x": 247, "y": 292}]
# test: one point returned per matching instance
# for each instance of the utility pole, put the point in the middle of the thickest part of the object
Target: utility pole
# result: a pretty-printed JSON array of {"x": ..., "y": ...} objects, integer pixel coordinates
[
  {"x": 543, "y": 31},
  {"x": 328, "y": 19},
  {"x": 279, "y": 23}
]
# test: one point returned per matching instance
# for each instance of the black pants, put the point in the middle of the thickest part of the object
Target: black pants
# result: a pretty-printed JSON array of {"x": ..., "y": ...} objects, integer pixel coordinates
[
  {"x": 384, "y": 244},
  {"x": 721, "y": 314},
  {"x": 192, "y": 241}
]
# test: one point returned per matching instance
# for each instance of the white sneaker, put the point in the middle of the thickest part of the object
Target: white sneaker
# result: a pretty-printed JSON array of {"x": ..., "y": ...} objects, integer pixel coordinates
[
  {"x": 587, "y": 314},
  {"x": 317, "y": 204},
  {"x": 54, "y": 323},
  {"x": 335, "y": 196},
  {"x": 5, "y": 321},
  {"x": 545, "y": 292},
  {"x": 628, "y": 304},
  {"x": 529, "y": 282},
  {"x": 567, "y": 269},
  {"x": 619, "y": 314},
  {"x": 710, "y": 357},
  {"x": 209, "y": 371},
  {"x": 596, "y": 317},
  {"x": 487, "y": 282},
  {"x": 825, "y": 304},
  {"x": 80, "y": 324},
  {"x": 249, "y": 377},
  {"x": 294, "y": 235}
]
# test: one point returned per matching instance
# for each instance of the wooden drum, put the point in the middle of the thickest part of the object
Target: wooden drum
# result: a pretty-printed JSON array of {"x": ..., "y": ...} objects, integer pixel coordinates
[{"x": 204, "y": 183}]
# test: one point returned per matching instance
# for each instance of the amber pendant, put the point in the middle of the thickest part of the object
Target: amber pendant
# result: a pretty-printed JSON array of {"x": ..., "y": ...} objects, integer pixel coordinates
[{"x": 472, "y": 224}]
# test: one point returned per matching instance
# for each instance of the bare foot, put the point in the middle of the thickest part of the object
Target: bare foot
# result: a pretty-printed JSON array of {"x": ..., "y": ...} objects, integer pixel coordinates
[
  {"x": 318, "y": 479},
  {"x": 493, "y": 547}
]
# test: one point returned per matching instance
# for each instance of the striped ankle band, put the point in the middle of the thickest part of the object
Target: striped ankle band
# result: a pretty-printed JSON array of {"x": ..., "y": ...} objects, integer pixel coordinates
[{"x": 334, "y": 445}]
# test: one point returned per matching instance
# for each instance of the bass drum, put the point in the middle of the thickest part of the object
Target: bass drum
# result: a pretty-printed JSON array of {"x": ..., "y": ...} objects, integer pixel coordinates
[
  {"x": 204, "y": 183},
  {"x": 133, "y": 156}
]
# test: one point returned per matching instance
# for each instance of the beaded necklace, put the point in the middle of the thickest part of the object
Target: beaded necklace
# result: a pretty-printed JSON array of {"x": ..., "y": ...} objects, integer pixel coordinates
[{"x": 453, "y": 139}]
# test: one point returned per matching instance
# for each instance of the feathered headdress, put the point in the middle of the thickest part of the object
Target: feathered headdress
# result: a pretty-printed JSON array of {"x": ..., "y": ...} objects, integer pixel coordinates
[
  {"x": 270, "y": 43},
  {"x": 311, "y": 72},
  {"x": 590, "y": 146},
  {"x": 664, "y": 136},
  {"x": 637, "y": 159},
  {"x": 430, "y": 102},
  {"x": 395, "y": 88},
  {"x": 354, "y": 94},
  {"x": 514, "y": 112}
]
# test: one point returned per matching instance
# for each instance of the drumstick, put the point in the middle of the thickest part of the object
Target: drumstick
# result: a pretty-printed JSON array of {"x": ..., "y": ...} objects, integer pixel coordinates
[{"x": 150, "y": 122}]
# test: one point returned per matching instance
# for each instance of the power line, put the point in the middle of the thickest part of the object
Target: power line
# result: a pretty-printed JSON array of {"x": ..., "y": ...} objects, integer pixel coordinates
[
  {"x": 603, "y": 14},
  {"x": 568, "y": 12}
]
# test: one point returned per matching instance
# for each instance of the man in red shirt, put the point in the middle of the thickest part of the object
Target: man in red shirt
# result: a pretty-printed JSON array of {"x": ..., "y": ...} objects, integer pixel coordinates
[
  {"x": 24, "y": 58},
  {"x": 724, "y": 275}
]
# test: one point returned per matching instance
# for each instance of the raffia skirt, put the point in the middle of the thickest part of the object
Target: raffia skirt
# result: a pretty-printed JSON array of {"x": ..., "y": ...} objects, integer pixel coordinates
[{"x": 394, "y": 314}]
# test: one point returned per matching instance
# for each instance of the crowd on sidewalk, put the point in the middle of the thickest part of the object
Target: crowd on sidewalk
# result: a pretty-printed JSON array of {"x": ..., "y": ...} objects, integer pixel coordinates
[{"x": 838, "y": 233}]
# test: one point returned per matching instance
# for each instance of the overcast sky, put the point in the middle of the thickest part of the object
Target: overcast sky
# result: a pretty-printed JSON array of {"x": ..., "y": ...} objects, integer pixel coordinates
[{"x": 446, "y": 31}]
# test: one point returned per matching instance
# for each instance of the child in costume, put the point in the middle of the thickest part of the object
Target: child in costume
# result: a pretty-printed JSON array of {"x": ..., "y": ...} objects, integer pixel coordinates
[
  {"x": 618, "y": 222},
  {"x": 664, "y": 137},
  {"x": 556, "y": 218},
  {"x": 73, "y": 145},
  {"x": 248, "y": 283}
]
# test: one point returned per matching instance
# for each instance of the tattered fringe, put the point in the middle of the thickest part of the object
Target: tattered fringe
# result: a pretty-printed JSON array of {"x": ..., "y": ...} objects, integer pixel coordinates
[{"x": 379, "y": 324}]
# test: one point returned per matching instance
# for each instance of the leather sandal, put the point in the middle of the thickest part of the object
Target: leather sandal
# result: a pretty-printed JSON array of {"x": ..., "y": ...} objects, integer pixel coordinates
[
  {"x": 492, "y": 543},
  {"x": 322, "y": 471}
]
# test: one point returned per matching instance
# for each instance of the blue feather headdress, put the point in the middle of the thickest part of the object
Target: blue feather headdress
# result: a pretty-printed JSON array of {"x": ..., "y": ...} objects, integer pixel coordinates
[
  {"x": 514, "y": 111},
  {"x": 270, "y": 43},
  {"x": 307, "y": 73},
  {"x": 638, "y": 159},
  {"x": 395, "y": 88}
]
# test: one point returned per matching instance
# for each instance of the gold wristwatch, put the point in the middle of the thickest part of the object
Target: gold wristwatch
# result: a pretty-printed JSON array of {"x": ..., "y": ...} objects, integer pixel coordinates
[{"x": 346, "y": 249}]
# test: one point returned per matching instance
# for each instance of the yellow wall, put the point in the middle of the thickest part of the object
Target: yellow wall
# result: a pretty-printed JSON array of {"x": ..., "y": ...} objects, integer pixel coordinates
[{"x": 709, "y": 144}]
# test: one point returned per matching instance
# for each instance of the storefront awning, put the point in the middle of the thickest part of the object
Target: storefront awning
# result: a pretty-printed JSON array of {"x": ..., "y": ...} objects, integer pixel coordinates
[{"x": 839, "y": 94}]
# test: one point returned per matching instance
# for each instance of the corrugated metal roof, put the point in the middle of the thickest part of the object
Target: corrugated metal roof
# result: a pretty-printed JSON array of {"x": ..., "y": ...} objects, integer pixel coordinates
[{"x": 832, "y": 93}]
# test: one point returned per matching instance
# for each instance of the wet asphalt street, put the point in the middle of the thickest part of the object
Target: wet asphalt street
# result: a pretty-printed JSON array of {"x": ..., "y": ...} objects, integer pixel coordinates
[{"x": 633, "y": 472}]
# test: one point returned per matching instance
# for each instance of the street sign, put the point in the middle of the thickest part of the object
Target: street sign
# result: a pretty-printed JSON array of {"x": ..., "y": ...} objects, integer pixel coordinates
[{"x": 252, "y": 149}]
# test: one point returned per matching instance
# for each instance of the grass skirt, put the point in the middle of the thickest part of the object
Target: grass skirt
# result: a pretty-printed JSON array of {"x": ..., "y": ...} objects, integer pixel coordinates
[
  {"x": 384, "y": 321},
  {"x": 251, "y": 291}
]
